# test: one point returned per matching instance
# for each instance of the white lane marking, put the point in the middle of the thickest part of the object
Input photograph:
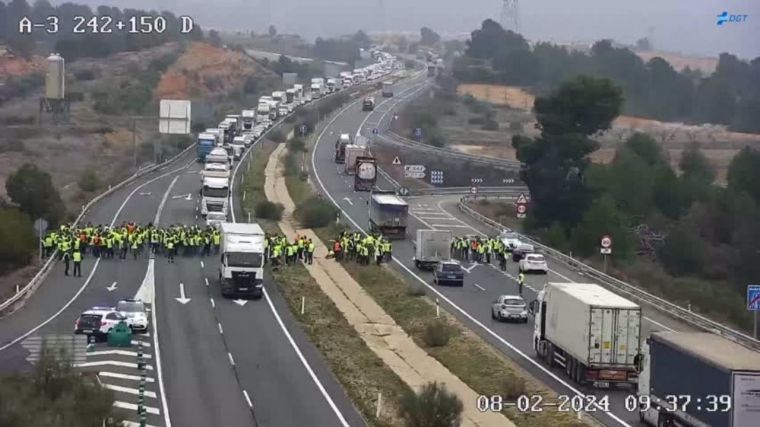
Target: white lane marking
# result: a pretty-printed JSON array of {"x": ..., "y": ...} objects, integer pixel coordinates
[
  {"x": 147, "y": 293},
  {"x": 437, "y": 292},
  {"x": 213, "y": 305},
  {"x": 134, "y": 424},
  {"x": 471, "y": 267},
  {"x": 202, "y": 265},
  {"x": 94, "y": 267},
  {"x": 221, "y": 331},
  {"x": 112, "y": 287},
  {"x": 124, "y": 376},
  {"x": 654, "y": 322},
  {"x": 130, "y": 390},
  {"x": 163, "y": 201},
  {"x": 247, "y": 399},
  {"x": 232, "y": 361},
  {"x": 479, "y": 287},
  {"x": 348, "y": 201},
  {"x": 117, "y": 353},
  {"x": 137, "y": 342},
  {"x": 111, "y": 363},
  {"x": 305, "y": 363},
  {"x": 133, "y": 407},
  {"x": 205, "y": 279},
  {"x": 451, "y": 226},
  {"x": 292, "y": 342}
]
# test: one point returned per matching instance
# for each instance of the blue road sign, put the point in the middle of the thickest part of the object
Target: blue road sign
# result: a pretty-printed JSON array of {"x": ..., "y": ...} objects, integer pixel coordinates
[
  {"x": 753, "y": 297},
  {"x": 303, "y": 130},
  {"x": 418, "y": 132},
  {"x": 375, "y": 131}
]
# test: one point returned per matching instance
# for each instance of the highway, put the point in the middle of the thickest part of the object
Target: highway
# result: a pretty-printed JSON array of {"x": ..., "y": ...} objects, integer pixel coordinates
[
  {"x": 471, "y": 304},
  {"x": 211, "y": 361}
]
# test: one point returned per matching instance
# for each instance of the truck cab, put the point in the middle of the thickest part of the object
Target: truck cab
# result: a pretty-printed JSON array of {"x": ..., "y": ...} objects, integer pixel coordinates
[
  {"x": 206, "y": 142},
  {"x": 249, "y": 119},
  {"x": 340, "y": 147},
  {"x": 300, "y": 95},
  {"x": 368, "y": 104},
  {"x": 241, "y": 270},
  {"x": 316, "y": 90},
  {"x": 215, "y": 194},
  {"x": 387, "y": 89}
]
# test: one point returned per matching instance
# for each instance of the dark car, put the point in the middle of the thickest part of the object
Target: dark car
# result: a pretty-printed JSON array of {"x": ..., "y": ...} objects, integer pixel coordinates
[
  {"x": 519, "y": 252},
  {"x": 448, "y": 273}
]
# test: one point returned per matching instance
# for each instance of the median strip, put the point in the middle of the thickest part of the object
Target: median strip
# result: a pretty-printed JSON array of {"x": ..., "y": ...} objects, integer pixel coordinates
[{"x": 377, "y": 329}]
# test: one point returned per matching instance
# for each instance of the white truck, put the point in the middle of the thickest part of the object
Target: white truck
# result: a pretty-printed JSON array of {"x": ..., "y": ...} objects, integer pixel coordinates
[
  {"x": 387, "y": 89},
  {"x": 218, "y": 155},
  {"x": 389, "y": 215},
  {"x": 290, "y": 98},
  {"x": 215, "y": 194},
  {"x": 237, "y": 122},
  {"x": 238, "y": 147},
  {"x": 279, "y": 96},
  {"x": 300, "y": 95},
  {"x": 215, "y": 170},
  {"x": 592, "y": 333},
  {"x": 218, "y": 134},
  {"x": 432, "y": 247},
  {"x": 241, "y": 271},
  {"x": 316, "y": 90},
  {"x": 249, "y": 119},
  {"x": 353, "y": 151},
  {"x": 698, "y": 379},
  {"x": 333, "y": 85}
]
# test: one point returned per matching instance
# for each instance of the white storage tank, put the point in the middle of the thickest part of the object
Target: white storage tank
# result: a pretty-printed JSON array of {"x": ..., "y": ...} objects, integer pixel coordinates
[{"x": 55, "y": 77}]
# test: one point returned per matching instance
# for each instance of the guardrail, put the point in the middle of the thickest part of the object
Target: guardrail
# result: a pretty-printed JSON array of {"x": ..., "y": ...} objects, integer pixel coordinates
[
  {"x": 694, "y": 319},
  {"x": 42, "y": 273}
]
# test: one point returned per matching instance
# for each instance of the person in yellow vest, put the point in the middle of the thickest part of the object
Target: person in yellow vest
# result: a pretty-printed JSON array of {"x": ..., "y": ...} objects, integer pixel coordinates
[
  {"x": 217, "y": 239},
  {"x": 77, "y": 258},
  {"x": 310, "y": 251},
  {"x": 170, "y": 249}
]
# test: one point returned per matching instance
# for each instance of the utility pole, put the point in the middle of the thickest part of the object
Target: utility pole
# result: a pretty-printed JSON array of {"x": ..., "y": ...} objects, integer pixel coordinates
[{"x": 509, "y": 15}]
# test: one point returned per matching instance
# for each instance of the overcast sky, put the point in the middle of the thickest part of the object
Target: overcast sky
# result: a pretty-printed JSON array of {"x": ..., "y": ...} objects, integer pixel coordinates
[{"x": 687, "y": 26}]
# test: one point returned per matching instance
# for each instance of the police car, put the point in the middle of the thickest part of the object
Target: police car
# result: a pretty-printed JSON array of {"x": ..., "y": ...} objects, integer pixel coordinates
[
  {"x": 98, "y": 321},
  {"x": 135, "y": 312}
]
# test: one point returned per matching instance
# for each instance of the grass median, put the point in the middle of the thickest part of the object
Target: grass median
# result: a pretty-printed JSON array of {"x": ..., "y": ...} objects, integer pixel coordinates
[
  {"x": 464, "y": 353},
  {"x": 359, "y": 370}
]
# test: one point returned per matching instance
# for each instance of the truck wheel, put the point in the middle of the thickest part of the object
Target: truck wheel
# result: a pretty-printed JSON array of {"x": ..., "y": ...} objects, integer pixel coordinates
[
  {"x": 417, "y": 264},
  {"x": 550, "y": 355}
]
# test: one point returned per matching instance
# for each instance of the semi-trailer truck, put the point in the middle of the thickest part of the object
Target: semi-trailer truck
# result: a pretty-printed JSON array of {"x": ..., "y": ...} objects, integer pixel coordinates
[
  {"x": 389, "y": 215},
  {"x": 366, "y": 173},
  {"x": 368, "y": 104},
  {"x": 432, "y": 247},
  {"x": 214, "y": 195},
  {"x": 340, "y": 147},
  {"x": 241, "y": 271},
  {"x": 205, "y": 143},
  {"x": 249, "y": 119},
  {"x": 352, "y": 153},
  {"x": 387, "y": 89},
  {"x": 589, "y": 331},
  {"x": 698, "y": 379}
]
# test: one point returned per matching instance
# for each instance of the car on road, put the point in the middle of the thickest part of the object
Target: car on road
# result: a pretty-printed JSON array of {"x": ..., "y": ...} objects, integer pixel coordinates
[
  {"x": 448, "y": 273},
  {"x": 510, "y": 239},
  {"x": 98, "y": 321},
  {"x": 533, "y": 262},
  {"x": 136, "y": 313},
  {"x": 519, "y": 252},
  {"x": 509, "y": 307}
]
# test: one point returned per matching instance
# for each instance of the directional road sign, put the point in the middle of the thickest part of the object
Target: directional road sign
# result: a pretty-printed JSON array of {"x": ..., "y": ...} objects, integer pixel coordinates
[
  {"x": 436, "y": 177},
  {"x": 753, "y": 297},
  {"x": 418, "y": 132},
  {"x": 414, "y": 168},
  {"x": 521, "y": 199},
  {"x": 40, "y": 227},
  {"x": 473, "y": 190},
  {"x": 73, "y": 346},
  {"x": 417, "y": 175}
]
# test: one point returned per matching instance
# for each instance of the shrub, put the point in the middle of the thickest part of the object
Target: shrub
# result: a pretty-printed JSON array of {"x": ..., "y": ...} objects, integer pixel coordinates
[
  {"x": 84, "y": 75},
  {"x": 268, "y": 210},
  {"x": 436, "y": 140},
  {"x": 516, "y": 127},
  {"x": 290, "y": 119},
  {"x": 12, "y": 145},
  {"x": 512, "y": 387},
  {"x": 89, "y": 181},
  {"x": 75, "y": 96},
  {"x": 297, "y": 145},
  {"x": 490, "y": 124},
  {"x": 18, "y": 120},
  {"x": 476, "y": 120},
  {"x": 433, "y": 406},
  {"x": 315, "y": 212},
  {"x": 436, "y": 334},
  {"x": 15, "y": 227},
  {"x": 415, "y": 290},
  {"x": 277, "y": 136}
]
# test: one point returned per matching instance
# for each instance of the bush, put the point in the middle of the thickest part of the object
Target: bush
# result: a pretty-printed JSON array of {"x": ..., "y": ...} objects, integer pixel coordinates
[
  {"x": 436, "y": 334},
  {"x": 12, "y": 145},
  {"x": 268, "y": 210},
  {"x": 436, "y": 140},
  {"x": 516, "y": 127},
  {"x": 75, "y": 96},
  {"x": 433, "y": 406},
  {"x": 297, "y": 145},
  {"x": 15, "y": 227},
  {"x": 415, "y": 290},
  {"x": 18, "y": 120},
  {"x": 290, "y": 119},
  {"x": 490, "y": 124},
  {"x": 476, "y": 120},
  {"x": 512, "y": 387},
  {"x": 277, "y": 136},
  {"x": 89, "y": 181},
  {"x": 315, "y": 212},
  {"x": 251, "y": 85},
  {"x": 84, "y": 75}
]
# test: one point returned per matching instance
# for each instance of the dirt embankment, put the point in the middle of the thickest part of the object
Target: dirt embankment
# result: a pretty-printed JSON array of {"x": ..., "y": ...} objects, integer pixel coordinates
[{"x": 207, "y": 71}]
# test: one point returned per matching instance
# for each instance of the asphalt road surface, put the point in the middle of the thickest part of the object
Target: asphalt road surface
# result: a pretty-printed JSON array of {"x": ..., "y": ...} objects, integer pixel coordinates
[
  {"x": 483, "y": 283},
  {"x": 213, "y": 361}
]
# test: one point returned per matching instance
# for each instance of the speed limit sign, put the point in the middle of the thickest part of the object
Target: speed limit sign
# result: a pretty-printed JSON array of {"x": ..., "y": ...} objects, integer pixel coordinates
[{"x": 606, "y": 244}]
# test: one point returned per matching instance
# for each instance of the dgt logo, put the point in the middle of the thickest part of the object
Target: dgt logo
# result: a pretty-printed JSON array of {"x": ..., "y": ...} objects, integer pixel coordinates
[{"x": 726, "y": 17}]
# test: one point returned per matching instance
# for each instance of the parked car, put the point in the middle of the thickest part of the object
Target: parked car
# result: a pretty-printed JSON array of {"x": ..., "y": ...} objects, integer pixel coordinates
[
  {"x": 98, "y": 321},
  {"x": 533, "y": 262},
  {"x": 509, "y": 307},
  {"x": 136, "y": 313},
  {"x": 448, "y": 273}
]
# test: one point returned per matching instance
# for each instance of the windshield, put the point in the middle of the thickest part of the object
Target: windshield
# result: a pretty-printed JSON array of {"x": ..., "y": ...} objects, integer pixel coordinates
[
  {"x": 451, "y": 267},
  {"x": 536, "y": 258},
  {"x": 130, "y": 307},
  {"x": 215, "y": 192},
  {"x": 244, "y": 259},
  {"x": 513, "y": 301}
]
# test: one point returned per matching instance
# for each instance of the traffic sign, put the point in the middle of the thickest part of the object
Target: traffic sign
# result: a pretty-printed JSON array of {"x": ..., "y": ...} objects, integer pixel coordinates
[
  {"x": 403, "y": 191},
  {"x": 473, "y": 190},
  {"x": 753, "y": 297},
  {"x": 396, "y": 161},
  {"x": 521, "y": 199},
  {"x": 303, "y": 130},
  {"x": 414, "y": 168},
  {"x": 606, "y": 241},
  {"x": 74, "y": 346},
  {"x": 40, "y": 227},
  {"x": 521, "y": 210},
  {"x": 375, "y": 131},
  {"x": 418, "y": 175},
  {"x": 436, "y": 177},
  {"x": 418, "y": 132}
]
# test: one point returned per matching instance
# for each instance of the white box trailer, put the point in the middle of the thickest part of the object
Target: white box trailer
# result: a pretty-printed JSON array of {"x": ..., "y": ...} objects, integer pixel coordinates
[
  {"x": 249, "y": 119},
  {"x": 432, "y": 247},
  {"x": 353, "y": 151},
  {"x": 241, "y": 271},
  {"x": 593, "y": 333}
]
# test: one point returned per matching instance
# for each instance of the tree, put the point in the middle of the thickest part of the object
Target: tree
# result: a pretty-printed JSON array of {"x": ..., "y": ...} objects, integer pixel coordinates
[
  {"x": 647, "y": 148},
  {"x": 272, "y": 31},
  {"x": 55, "y": 394},
  {"x": 33, "y": 191},
  {"x": 428, "y": 37},
  {"x": 695, "y": 167},
  {"x": 583, "y": 105},
  {"x": 683, "y": 252},
  {"x": 643, "y": 44},
  {"x": 361, "y": 39},
  {"x": 491, "y": 39},
  {"x": 744, "y": 173},
  {"x": 433, "y": 406},
  {"x": 601, "y": 218},
  {"x": 15, "y": 227},
  {"x": 214, "y": 39}
]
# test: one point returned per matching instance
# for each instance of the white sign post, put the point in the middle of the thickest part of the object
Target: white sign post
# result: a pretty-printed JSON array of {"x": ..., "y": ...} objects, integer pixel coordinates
[{"x": 606, "y": 249}]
